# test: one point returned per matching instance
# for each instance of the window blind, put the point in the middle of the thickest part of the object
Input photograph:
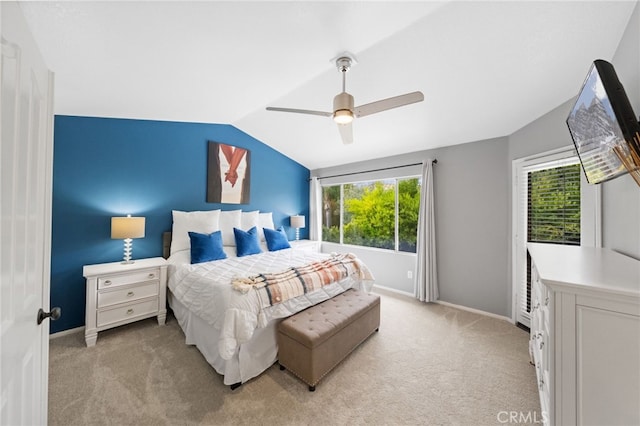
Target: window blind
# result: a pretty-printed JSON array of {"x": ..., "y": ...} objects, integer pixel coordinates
[
  {"x": 553, "y": 205},
  {"x": 550, "y": 203}
]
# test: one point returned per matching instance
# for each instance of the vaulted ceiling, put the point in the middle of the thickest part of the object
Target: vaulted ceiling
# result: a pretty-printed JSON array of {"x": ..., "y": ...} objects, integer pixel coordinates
[{"x": 486, "y": 68}]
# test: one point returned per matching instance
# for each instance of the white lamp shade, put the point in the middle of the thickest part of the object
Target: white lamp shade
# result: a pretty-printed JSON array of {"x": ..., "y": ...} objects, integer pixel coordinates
[
  {"x": 127, "y": 227},
  {"x": 297, "y": 221}
]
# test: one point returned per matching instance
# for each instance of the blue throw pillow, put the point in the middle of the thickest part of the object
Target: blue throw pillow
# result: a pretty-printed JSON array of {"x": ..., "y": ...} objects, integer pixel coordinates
[
  {"x": 206, "y": 247},
  {"x": 276, "y": 240},
  {"x": 247, "y": 242}
]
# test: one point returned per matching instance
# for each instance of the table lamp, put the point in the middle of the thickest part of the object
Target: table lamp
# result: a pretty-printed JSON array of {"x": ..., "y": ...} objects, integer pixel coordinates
[
  {"x": 297, "y": 221},
  {"x": 127, "y": 228}
]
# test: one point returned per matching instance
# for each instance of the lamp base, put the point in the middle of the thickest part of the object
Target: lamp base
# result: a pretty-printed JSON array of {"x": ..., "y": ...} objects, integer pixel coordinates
[
  {"x": 128, "y": 248},
  {"x": 297, "y": 234}
]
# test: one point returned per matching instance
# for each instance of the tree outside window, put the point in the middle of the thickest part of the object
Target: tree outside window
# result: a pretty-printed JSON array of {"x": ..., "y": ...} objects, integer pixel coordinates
[
  {"x": 371, "y": 211},
  {"x": 408, "y": 210}
]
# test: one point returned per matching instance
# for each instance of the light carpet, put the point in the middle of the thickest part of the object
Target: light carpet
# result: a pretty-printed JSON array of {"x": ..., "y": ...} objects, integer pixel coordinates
[{"x": 428, "y": 365}]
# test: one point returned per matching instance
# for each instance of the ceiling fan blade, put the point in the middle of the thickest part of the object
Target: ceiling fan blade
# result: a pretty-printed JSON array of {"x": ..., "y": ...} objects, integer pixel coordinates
[
  {"x": 346, "y": 133},
  {"x": 301, "y": 111},
  {"x": 389, "y": 103}
]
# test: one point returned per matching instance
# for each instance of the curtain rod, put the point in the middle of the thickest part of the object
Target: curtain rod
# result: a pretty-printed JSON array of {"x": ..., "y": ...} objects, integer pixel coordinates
[{"x": 376, "y": 170}]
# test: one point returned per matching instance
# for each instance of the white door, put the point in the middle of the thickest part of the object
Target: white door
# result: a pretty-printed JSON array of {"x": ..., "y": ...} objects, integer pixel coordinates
[
  {"x": 589, "y": 226},
  {"x": 26, "y": 154}
]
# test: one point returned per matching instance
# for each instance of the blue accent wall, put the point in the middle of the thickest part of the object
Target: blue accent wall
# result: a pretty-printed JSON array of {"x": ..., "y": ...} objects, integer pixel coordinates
[{"x": 106, "y": 167}]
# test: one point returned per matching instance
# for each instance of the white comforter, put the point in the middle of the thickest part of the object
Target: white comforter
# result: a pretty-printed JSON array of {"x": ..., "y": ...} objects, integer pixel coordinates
[{"x": 206, "y": 290}]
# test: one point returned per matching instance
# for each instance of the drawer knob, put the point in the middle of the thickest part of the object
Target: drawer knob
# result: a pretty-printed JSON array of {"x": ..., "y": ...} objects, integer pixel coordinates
[
  {"x": 152, "y": 275},
  {"x": 107, "y": 282},
  {"x": 129, "y": 311},
  {"x": 130, "y": 294}
]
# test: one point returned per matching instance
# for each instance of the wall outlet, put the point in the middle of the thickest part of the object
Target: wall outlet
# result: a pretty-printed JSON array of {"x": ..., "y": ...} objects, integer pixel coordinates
[{"x": 409, "y": 274}]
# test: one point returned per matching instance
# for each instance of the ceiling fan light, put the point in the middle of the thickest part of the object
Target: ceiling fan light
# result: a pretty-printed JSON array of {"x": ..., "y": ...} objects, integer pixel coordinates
[{"x": 343, "y": 116}]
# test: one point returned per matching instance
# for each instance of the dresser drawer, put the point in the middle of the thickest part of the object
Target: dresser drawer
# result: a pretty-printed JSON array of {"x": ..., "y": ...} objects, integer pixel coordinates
[
  {"x": 124, "y": 313},
  {"x": 108, "y": 298},
  {"x": 110, "y": 281}
]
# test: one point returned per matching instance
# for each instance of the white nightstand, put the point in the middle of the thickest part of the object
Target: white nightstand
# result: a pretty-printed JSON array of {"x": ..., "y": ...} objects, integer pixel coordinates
[
  {"x": 118, "y": 294},
  {"x": 311, "y": 245}
]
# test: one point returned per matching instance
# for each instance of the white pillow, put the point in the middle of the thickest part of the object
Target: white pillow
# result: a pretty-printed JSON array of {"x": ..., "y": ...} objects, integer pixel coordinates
[
  {"x": 203, "y": 222},
  {"x": 248, "y": 220},
  {"x": 265, "y": 220},
  {"x": 228, "y": 220}
]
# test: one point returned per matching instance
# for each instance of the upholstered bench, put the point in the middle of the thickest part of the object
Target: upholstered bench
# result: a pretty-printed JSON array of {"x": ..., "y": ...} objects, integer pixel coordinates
[{"x": 314, "y": 341}]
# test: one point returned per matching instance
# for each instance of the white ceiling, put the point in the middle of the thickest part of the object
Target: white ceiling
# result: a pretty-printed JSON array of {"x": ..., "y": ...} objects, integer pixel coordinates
[{"x": 486, "y": 68}]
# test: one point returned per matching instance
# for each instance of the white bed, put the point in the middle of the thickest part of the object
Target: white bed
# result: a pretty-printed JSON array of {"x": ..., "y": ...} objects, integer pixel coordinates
[{"x": 234, "y": 334}]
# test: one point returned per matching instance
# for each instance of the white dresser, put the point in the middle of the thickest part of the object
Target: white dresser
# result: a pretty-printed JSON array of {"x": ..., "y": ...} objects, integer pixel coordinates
[
  {"x": 120, "y": 293},
  {"x": 585, "y": 334}
]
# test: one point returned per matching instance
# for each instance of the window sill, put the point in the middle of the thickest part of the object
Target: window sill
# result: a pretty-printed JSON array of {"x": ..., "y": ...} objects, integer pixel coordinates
[{"x": 326, "y": 244}]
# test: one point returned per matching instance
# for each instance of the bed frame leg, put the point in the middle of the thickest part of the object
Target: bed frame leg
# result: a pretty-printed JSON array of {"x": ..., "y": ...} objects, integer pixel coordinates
[
  {"x": 235, "y": 385},
  {"x": 282, "y": 367}
]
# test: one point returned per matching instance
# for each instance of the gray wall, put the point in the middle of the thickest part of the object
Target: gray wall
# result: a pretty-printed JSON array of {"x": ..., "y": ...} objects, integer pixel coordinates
[
  {"x": 547, "y": 133},
  {"x": 471, "y": 186},
  {"x": 621, "y": 196},
  {"x": 473, "y": 201},
  {"x": 389, "y": 268}
]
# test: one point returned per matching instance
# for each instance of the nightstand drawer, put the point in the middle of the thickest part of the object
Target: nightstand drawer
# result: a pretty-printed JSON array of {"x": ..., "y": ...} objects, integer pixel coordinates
[
  {"x": 108, "y": 298},
  {"x": 126, "y": 312},
  {"x": 130, "y": 278}
]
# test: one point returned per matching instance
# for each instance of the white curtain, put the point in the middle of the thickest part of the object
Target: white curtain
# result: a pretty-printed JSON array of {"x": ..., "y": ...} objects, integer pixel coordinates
[
  {"x": 426, "y": 289},
  {"x": 315, "y": 209}
]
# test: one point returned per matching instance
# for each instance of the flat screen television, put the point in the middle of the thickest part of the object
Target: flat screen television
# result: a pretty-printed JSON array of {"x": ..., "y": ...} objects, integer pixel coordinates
[{"x": 603, "y": 125}]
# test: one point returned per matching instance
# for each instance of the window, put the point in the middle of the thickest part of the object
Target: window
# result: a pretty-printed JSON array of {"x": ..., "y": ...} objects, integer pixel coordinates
[
  {"x": 553, "y": 210},
  {"x": 381, "y": 213},
  {"x": 331, "y": 208},
  {"x": 552, "y": 204},
  {"x": 408, "y": 209}
]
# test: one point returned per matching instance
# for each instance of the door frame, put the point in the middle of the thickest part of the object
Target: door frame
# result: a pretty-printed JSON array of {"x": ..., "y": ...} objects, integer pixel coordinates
[{"x": 590, "y": 214}]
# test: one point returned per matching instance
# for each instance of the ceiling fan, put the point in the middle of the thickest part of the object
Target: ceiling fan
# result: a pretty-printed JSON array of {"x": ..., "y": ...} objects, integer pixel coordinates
[{"x": 343, "y": 110}]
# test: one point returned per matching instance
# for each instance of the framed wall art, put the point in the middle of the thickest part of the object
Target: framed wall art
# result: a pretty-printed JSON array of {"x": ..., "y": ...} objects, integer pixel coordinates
[{"x": 228, "y": 174}]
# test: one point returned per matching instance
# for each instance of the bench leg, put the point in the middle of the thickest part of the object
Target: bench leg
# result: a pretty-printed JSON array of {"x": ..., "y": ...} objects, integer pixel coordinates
[
  {"x": 235, "y": 385},
  {"x": 282, "y": 367}
]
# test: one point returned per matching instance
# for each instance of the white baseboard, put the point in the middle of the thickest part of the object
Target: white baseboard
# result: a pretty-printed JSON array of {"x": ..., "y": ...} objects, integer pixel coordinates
[
  {"x": 66, "y": 332},
  {"x": 393, "y": 290},
  {"x": 475, "y": 311},
  {"x": 451, "y": 305}
]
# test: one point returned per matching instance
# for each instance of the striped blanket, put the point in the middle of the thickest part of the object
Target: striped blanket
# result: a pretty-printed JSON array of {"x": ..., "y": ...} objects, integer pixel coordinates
[{"x": 277, "y": 287}]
